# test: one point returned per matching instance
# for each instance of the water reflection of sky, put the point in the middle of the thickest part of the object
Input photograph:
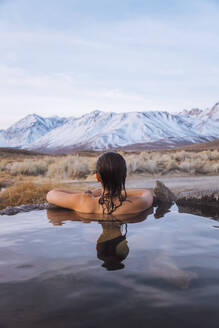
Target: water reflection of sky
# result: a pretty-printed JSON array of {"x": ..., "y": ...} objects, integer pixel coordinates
[{"x": 52, "y": 261}]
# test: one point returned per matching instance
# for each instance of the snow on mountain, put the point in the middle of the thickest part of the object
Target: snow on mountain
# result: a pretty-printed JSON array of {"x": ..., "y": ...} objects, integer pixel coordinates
[
  {"x": 103, "y": 130},
  {"x": 213, "y": 113},
  {"x": 192, "y": 112},
  {"x": 28, "y": 130},
  {"x": 100, "y": 130},
  {"x": 3, "y": 141},
  {"x": 205, "y": 122}
]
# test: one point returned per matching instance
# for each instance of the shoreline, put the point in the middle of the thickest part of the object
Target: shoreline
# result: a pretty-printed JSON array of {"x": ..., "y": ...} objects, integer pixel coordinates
[
  {"x": 178, "y": 185},
  {"x": 174, "y": 183}
]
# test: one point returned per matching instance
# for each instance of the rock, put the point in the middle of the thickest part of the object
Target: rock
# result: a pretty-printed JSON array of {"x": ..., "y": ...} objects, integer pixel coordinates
[
  {"x": 162, "y": 194},
  {"x": 200, "y": 210},
  {"x": 162, "y": 209},
  {"x": 12, "y": 210},
  {"x": 198, "y": 198}
]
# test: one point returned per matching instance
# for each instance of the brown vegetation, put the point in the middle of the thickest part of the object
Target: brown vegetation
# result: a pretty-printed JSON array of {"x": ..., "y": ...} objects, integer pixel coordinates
[
  {"x": 25, "y": 193},
  {"x": 45, "y": 171},
  {"x": 179, "y": 162},
  {"x": 5, "y": 152},
  {"x": 77, "y": 166},
  {"x": 71, "y": 167}
]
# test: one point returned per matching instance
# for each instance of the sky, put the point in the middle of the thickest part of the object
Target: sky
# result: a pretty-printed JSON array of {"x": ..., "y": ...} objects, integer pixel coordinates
[{"x": 71, "y": 57}]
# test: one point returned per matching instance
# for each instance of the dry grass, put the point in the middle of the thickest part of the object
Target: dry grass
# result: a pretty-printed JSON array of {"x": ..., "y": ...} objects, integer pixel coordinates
[
  {"x": 4, "y": 164},
  {"x": 16, "y": 172},
  {"x": 28, "y": 167},
  {"x": 24, "y": 193},
  {"x": 71, "y": 167},
  {"x": 81, "y": 166},
  {"x": 140, "y": 164},
  {"x": 179, "y": 162}
]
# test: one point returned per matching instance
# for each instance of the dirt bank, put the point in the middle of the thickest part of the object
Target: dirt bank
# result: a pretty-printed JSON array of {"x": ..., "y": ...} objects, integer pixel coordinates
[{"x": 175, "y": 183}]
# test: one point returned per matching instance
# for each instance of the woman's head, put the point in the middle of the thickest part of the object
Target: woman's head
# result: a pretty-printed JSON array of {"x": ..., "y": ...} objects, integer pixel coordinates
[{"x": 111, "y": 171}]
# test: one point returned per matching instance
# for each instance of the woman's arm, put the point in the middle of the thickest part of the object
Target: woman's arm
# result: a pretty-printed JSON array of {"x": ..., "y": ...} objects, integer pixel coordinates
[
  {"x": 80, "y": 202},
  {"x": 143, "y": 198}
]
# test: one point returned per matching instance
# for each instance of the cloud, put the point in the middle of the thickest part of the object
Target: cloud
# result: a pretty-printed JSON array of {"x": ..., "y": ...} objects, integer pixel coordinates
[
  {"x": 24, "y": 93},
  {"x": 71, "y": 57}
]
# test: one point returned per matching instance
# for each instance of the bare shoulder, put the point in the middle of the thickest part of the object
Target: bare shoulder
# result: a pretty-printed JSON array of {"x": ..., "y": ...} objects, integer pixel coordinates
[
  {"x": 81, "y": 202},
  {"x": 137, "y": 200},
  {"x": 145, "y": 193}
]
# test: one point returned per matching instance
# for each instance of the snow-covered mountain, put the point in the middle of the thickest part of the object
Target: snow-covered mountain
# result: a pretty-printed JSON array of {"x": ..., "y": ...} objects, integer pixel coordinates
[
  {"x": 100, "y": 130},
  {"x": 104, "y": 130},
  {"x": 206, "y": 122},
  {"x": 28, "y": 130}
]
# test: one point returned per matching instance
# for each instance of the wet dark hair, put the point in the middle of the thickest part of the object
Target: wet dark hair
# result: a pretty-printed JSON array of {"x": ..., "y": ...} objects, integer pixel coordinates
[{"x": 111, "y": 169}]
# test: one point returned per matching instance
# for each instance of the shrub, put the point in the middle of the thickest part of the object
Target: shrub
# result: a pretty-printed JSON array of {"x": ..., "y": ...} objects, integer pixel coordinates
[
  {"x": 70, "y": 167},
  {"x": 214, "y": 168},
  {"x": 213, "y": 155},
  {"x": 24, "y": 193},
  {"x": 141, "y": 165},
  {"x": 182, "y": 155},
  {"x": 203, "y": 155},
  {"x": 187, "y": 166},
  {"x": 28, "y": 167},
  {"x": 4, "y": 165},
  {"x": 170, "y": 167}
]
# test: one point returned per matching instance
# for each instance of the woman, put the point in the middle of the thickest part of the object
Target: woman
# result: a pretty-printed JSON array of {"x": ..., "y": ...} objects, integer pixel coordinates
[{"x": 112, "y": 198}]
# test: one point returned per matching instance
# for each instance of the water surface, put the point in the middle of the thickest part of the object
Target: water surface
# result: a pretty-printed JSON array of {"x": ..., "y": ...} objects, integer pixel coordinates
[{"x": 61, "y": 269}]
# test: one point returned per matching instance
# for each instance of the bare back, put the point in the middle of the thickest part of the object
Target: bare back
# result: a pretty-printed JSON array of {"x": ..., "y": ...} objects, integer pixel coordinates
[{"x": 137, "y": 200}]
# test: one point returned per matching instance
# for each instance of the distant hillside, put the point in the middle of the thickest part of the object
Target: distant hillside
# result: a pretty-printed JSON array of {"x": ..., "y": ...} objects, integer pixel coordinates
[
  {"x": 4, "y": 152},
  {"x": 202, "y": 146}
]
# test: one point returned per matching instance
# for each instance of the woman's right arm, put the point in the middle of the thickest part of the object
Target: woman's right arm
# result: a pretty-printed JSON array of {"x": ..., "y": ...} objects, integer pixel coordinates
[{"x": 80, "y": 202}]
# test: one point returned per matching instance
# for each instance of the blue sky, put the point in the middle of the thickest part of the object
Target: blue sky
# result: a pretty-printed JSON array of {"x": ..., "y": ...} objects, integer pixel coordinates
[{"x": 68, "y": 58}]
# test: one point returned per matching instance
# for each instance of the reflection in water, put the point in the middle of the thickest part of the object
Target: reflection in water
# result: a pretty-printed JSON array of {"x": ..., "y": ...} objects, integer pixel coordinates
[
  {"x": 164, "y": 267},
  {"x": 208, "y": 211},
  {"x": 112, "y": 246},
  {"x": 51, "y": 276},
  {"x": 162, "y": 209},
  {"x": 58, "y": 216}
]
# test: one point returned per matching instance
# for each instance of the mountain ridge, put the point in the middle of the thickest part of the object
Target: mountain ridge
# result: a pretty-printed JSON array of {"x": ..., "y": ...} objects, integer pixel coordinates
[
  {"x": 29, "y": 129},
  {"x": 100, "y": 130}
]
